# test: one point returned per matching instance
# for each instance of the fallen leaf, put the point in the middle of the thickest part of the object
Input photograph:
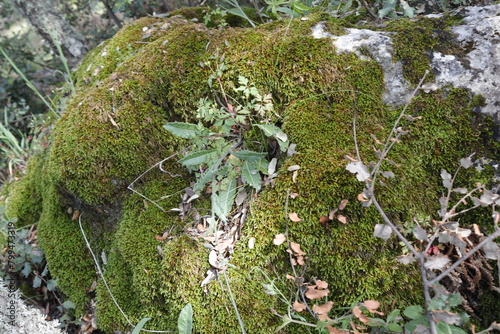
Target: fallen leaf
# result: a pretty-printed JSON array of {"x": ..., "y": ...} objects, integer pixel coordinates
[
  {"x": 313, "y": 293},
  {"x": 343, "y": 204},
  {"x": 296, "y": 249},
  {"x": 294, "y": 176},
  {"x": 279, "y": 239},
  {"x": 342, "y": 219},
  {"x": 436, "y": 262},
  {"x": 372, "y": 306},
  {"x": 361, "y": 198},
  {"x": 293, "y": 168},
  {"x": 294, "y": 217},
  {"x": 251, "y": 243},
  {"x": 323, "y": 220},
  {"x": 294, "y": 195},
  {"x": 321, "y": 284},
  {"x": 323, "y": 309},
  {"x": 290, "y": 277},
  {"x": 299, "y": 307},
  {"x": 350, "y": 158}
]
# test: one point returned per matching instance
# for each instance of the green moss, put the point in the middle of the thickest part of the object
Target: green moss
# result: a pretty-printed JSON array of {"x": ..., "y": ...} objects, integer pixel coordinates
[{"x": 112, "y": 132}]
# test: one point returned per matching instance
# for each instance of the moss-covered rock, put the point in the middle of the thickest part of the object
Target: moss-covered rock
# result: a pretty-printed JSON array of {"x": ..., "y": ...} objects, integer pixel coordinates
[{"x": 111, "y": 133}]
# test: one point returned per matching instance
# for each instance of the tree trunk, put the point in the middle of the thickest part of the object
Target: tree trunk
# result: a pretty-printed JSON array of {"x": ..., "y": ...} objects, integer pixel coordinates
[{"x": 50, "y": 24}]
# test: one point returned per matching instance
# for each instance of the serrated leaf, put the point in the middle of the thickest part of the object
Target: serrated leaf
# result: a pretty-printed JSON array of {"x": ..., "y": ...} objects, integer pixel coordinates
[
  {"x": 185, "y": 321},
  {"x": 382, "y": 231},
  {"x": 249, "y": 155},
  {"x": 251, "y": 175},
  {"x": 183, "y": 130},
  {"x": 140, "y": 325},
  {"x": 196, "y": 158}
]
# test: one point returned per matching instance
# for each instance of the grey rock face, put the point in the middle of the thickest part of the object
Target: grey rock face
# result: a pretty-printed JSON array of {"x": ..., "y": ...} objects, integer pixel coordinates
[{"x": 479, "y": 70}]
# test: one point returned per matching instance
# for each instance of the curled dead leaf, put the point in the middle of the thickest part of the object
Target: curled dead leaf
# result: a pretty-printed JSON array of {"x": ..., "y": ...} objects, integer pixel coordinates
[
  {"x": 350, "y": 158},
  {"x": 294, "y": 195},
  {"x": 372, "y": 306},
  {"x": 294, "y": 217}
]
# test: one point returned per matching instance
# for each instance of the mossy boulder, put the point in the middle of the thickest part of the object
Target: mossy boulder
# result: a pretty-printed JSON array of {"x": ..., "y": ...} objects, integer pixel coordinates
[{"x": 112, "y": 132}]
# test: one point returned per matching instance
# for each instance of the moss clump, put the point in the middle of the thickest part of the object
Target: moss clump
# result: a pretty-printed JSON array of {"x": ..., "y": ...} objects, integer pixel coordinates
[{"x": 112, "y": 132}]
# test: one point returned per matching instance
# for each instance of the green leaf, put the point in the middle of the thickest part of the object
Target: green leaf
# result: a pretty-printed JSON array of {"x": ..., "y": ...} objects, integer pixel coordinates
[
  {"x": 222, "y": 202},
  {"x": 412, "y": 325},
  {"x": 185, "y": 321},
  {"x": 205, "y": 177},
  {"x": 271, "y": 130},
  {"x": 249, "y": 155},
  {"x": 37, "y": 282},
  {"x": 413, "y": 311},
  {"x": 393, "y": 315},
  {"x": 26, "y": 270},
  {"x": 196, "y": 158},
  {"x": 443, "y": 328},
  {"x": 394, "y": 327},
  {"x": 69, "y": 305},
  {"x": 251, "y": 175},
  {"x": 183, "y": 130},
  {"x": 139, "y": 326},
  {"x": 51, "y": 284}
]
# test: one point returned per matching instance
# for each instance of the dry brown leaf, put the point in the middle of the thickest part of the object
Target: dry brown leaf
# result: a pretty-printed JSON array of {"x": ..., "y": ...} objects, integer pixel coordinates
[
  {"x": 279, "y": 239},
  {"x": 300, "y": 260},
  {"x": 296, "y": 249},
  {"x": 477, "y": 231},
  {"x": 323, "y": 309},
  {"x": 299, "y": 307},
  {"x": 313, "y": 293},
  {"x": 362, "y": 198},
  {"x": 343, "y": 204},
  {"x": 294, "y": 176},
  {"x": 76, "y": 215},
  {"x": 357, "y": 311},
  {"x": 294, "y": 217},
  {"x": 332, "y": 330},
  {"x": 290, "y": 277},
  {"x": 372, "y": 306},
  {"x": 342, "y": 219},
  {"x": 323, "y": 220},
  {"x": 321, "y": 284},
  {"x": 294, "y": 195},
  {"x": 395, "y": 140}
]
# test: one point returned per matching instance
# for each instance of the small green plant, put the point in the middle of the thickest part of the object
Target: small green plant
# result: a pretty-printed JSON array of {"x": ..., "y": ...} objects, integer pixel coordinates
[{"x": 219, "y": 154}]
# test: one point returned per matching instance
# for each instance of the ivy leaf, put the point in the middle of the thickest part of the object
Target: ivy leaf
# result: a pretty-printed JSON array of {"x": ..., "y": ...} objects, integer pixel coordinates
[
  {"x": 185, "y": 321},
  {"x": 251, "y": 175},
  {"x": 249, "y": 155},
  {"x": 37, "y": 282},
  {"x": 196, "y": 158},
  {"x": 26, "y": 270},
  {"x": 183, "y": 130},
  {"x": 51, "y": 284}
]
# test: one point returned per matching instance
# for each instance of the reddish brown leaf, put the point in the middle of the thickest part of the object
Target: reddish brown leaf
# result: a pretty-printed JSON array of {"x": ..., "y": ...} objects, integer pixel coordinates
[{"x": 362, "y": 198}]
